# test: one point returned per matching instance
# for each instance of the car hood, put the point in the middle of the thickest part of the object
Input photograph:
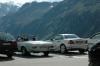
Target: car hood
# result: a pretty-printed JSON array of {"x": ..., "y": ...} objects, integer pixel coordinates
[{"x": 37, "y": 42}]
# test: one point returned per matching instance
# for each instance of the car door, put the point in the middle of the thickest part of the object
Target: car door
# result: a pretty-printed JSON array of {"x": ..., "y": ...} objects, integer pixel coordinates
[{"x": 57, "y": 41}]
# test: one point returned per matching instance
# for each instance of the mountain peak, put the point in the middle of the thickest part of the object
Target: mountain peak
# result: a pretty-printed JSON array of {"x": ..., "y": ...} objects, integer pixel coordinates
[{"x": 7, "y": 8}]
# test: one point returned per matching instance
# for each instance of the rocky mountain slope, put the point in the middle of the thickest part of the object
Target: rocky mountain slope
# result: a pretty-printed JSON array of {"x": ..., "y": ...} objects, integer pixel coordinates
[
  {"x": 7, "y": 8},
  {"x": 69, "y": 16}
]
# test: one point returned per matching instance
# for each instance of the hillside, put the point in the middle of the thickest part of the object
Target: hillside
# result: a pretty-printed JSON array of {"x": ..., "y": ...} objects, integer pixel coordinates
[
  {"x": 69, "y": 16},
  {"x": 7, "y": 8},
  {"x": 24, "y": 16},
  {"x": 75, "y": 16}
]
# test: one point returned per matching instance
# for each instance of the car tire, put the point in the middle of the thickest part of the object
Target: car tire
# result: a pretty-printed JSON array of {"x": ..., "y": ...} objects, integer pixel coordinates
[
  {"x": 9, "y": 55},
  {"x": 81, "y": 51},
  {"x": 24, "y": 51},
  {"x": 63, "y": 49},
  {"x": 46, "y": 53}
]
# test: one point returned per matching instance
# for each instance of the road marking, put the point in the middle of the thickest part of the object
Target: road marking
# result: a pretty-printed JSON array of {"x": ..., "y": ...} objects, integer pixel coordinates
[
  {"x": 63, "y": 57},
  {"x": 80, "y": 57}
]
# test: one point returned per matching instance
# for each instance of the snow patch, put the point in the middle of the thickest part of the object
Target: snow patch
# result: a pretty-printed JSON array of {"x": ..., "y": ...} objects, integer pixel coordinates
[{"x": 51, "y": 6}]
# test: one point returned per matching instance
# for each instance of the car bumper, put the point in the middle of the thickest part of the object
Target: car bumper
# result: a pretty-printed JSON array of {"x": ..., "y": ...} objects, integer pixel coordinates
[
  {"x": 42, "y": 49},
  {"x": 77, "y": 47}
]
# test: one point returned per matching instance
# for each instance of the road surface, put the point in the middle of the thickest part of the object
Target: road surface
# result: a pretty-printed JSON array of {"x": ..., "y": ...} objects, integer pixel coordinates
[{"x": 70, "y": 59}]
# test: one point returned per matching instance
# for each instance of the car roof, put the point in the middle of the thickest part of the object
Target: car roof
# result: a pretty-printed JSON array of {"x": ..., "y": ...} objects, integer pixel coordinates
[{"x": 98, "y": 33}]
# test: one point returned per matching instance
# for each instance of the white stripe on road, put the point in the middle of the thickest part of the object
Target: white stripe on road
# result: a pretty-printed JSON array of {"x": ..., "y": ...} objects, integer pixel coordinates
[
  {"x": 63, "y": 57},
  {"x": 80, "y": 57}
]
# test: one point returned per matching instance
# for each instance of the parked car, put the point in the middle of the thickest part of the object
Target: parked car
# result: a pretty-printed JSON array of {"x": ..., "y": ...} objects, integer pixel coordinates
[
  {"x": 94, "y": 55},
  {"x": 68, "y": 42},
  {"x": 94, "y": 39},
  {"x": 26, "y": 47},
  {"x": 8, "y": 44},
  {"x": 94, "y": 50}
]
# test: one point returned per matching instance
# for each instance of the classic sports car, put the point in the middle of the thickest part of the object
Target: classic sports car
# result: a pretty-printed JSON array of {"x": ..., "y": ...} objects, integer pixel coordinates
[{"x": 26, "y": 47}]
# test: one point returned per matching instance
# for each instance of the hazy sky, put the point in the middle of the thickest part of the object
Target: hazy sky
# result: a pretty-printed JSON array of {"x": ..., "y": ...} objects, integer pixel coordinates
[{"x": 23, "y": 1}]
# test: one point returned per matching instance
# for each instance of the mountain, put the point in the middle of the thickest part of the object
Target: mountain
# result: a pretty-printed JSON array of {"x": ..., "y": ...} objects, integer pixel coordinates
[
  {"x": 7, "y": 8},
  {"x": 69, "y": 16},
  {"x": 25, "y": 15}
]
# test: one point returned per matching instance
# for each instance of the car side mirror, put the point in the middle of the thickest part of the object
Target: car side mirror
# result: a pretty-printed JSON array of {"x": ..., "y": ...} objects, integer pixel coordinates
[{"x": 52, "y": 39}]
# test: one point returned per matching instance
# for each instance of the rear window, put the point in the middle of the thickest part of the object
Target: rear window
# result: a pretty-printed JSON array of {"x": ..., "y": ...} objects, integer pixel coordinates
[
  {"x": 70, "y": 36},
  {"x": 6, "y": 37}
]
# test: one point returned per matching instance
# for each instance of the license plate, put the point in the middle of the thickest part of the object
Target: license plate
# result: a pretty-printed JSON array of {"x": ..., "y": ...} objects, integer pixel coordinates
[
  {"x": 6, "y": 43},
  {"x": 80, "y": 42},
  {"x": 43, "y": 47}
]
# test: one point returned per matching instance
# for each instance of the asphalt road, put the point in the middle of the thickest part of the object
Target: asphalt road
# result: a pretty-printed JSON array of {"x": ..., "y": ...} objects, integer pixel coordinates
[{"x": 70, "y": 59}]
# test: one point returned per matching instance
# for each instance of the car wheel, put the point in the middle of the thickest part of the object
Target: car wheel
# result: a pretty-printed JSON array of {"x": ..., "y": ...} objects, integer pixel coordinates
[
  {"x": 9, "y": 55},
  {"x": 46, "y": 53},
  {"x": 81, "y": 51},
  {"x": 24, "y": 51},
  {"x": 63, "y": 49}
]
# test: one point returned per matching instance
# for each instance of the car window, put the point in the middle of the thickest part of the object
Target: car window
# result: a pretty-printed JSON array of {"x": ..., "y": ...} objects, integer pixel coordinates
[
  {"x": 58, "y": 37},
  {"x": 6, "y": 37},
  {"x": 96, "y": 36},
  {"x": 9, "y": 37},
  {"x": 70, "y": 36}
]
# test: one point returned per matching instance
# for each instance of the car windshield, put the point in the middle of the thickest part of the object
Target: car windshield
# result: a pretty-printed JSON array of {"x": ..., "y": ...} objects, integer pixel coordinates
[
  {"x": 6, "y": 37},
  {"x": 70, "y": 36}
]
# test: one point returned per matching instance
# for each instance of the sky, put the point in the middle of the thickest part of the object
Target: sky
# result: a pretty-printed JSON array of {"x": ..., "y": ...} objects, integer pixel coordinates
[{"x": 24, "y": 1}]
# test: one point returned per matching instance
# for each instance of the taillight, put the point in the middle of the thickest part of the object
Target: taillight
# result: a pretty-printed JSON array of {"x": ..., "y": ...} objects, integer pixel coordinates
[
  {"x": 71, "y": 42},
  {"x": 14, "y": 44}
]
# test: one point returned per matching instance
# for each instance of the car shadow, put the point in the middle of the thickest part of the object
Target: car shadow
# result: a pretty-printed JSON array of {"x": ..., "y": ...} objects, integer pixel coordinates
[
  {"x": 2, "y": 59},
  {"x": 71, "y": 53},
  {"x": 32, "y": 56}
]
